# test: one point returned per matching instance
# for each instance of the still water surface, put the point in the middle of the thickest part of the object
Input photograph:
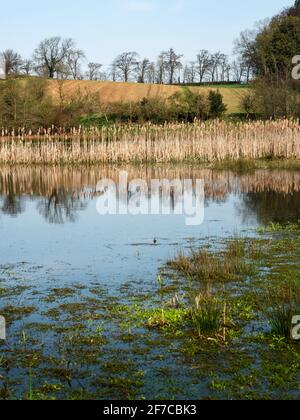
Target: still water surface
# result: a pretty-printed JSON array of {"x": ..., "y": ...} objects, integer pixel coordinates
[
  {"x": 48, "y": 218},
  {"x": 52, "y": 238}
]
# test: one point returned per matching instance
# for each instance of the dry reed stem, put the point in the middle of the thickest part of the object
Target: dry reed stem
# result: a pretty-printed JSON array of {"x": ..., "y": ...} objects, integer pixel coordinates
[{"x": 206, "y": 141}]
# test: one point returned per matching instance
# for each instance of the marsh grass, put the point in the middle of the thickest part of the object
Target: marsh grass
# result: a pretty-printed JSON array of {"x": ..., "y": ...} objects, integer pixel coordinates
[
  {"x": 289, "y": 227},
  {"x": 207, "y": 315},
  {"x": 285, "y": 304},
  {"x": 281, "y": 320},
  {"x": 203, "y": 265},
  {"x": 208, "y": 141}
]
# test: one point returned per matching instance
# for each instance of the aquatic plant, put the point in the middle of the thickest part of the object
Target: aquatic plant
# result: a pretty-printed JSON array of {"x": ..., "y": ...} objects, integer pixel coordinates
[
  {"x": 207, "y": 315},
  {"x": 281, "y": 320},
  {"x": 285, "y": 303},
  {"x": 205, "y": 266},
  {"x": 280, "y": 227}
]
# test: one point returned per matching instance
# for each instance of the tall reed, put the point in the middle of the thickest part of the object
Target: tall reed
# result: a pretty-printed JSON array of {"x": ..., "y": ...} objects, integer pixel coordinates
[{"x": 210, "y": 141}]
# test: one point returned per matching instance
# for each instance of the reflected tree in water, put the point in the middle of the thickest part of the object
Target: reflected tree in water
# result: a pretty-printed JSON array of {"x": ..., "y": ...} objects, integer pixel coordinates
[
  {"x": 61, "y": 206},
  {"x": 271, "y": 206},
  {"x": 12, "y": 204}
]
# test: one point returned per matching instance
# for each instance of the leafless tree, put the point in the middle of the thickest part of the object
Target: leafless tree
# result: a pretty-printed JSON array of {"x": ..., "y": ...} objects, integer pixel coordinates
[
  {"x": 94, "y": 71},
  {"x": 27, "y": 67},
  {"x": 244, "y": 48},
  {"x": 113, "y": 73},
  {"x": 238, "y": 70},
  {"x": 172, "y": 64},
  {"x": 125, "y": 65},
  {"x": 74, "y": 59},
  {"x": 224, "y": 68},
  {"x": 204, "y": 64},
  {"x": 161, "y": 68},
  {"x": 51, "y": 54},
  {"x": 150, "y": 73},
  {"x": 216, "y": 60},
  {"x": 12, "y": 62},
  {"x": 190, "y": 72},
  {"x": 142, "y": 69}
]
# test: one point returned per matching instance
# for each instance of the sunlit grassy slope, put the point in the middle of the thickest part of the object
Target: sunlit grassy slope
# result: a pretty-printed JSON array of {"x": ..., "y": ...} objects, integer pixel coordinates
[{"x": 131, "y": 92}]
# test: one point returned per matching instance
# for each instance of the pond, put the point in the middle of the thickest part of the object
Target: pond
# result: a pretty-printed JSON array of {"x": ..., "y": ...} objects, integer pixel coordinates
[{"x": 62, "y": 263}]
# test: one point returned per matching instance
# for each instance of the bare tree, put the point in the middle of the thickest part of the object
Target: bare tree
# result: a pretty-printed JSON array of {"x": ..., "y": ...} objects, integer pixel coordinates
[
  {"x": 244, "y": 48},
  {"x": 224, "y": 68},
  {"x": 204, "y": 64},
  {"x": 142, "y": 69},
  {"x": 215, "y": 63},
  {"x": 172, "y": 64},
  {"x": 27, "y": 67},
  {"x": 12, "y": 62},
  {"x": 113, "y": 73},
  {"x": 190, "y": 71},
  {"x": 52, "y": 54},
  {"x": 93, "y": 72},
  {"x": 74, "y": 59},
  {"x": 161, "y": 68},
  {"x": 238, "y": 69},
  {"x": 150, "y": 73},
  {"x": 125, "y": 65}
]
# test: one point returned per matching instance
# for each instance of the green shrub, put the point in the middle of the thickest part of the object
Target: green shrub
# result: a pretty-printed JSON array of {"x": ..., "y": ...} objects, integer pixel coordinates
[{"x": 217, "y": 108}]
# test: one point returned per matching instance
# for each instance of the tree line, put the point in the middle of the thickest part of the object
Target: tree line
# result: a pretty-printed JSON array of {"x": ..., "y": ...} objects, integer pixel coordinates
[
  {"x": 60, "y": 58},
  {"x": 265, "y": 51}
]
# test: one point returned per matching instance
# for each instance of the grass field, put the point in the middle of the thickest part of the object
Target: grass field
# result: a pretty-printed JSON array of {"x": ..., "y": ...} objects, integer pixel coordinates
[{"x": 132, "y": 92}]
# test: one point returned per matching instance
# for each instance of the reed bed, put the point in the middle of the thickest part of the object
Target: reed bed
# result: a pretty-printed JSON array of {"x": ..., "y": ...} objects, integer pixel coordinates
[{"x": 210, "y": 141}]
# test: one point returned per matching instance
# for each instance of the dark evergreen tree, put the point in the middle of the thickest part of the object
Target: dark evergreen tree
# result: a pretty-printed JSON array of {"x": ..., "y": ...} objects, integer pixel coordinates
[{"x": 216, "y": 104}]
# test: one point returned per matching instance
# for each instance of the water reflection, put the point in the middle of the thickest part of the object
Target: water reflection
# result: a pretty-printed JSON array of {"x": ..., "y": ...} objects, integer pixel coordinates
[
  {"x": 62, "y": 193},
  {"x": 60, "y": 207}
]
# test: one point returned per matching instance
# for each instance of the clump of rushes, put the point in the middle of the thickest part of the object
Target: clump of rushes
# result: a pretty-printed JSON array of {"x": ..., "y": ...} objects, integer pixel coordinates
[
  {"x": 226, "y": 265},
  {"x": 281, "y": 320},
  {"x": 207, "y": 315},
  {"x": 285, "y": 307}
]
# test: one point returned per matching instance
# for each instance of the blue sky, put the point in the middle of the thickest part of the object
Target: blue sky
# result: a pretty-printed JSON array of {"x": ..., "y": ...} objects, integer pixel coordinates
[{"x": 103, "y": 29}]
